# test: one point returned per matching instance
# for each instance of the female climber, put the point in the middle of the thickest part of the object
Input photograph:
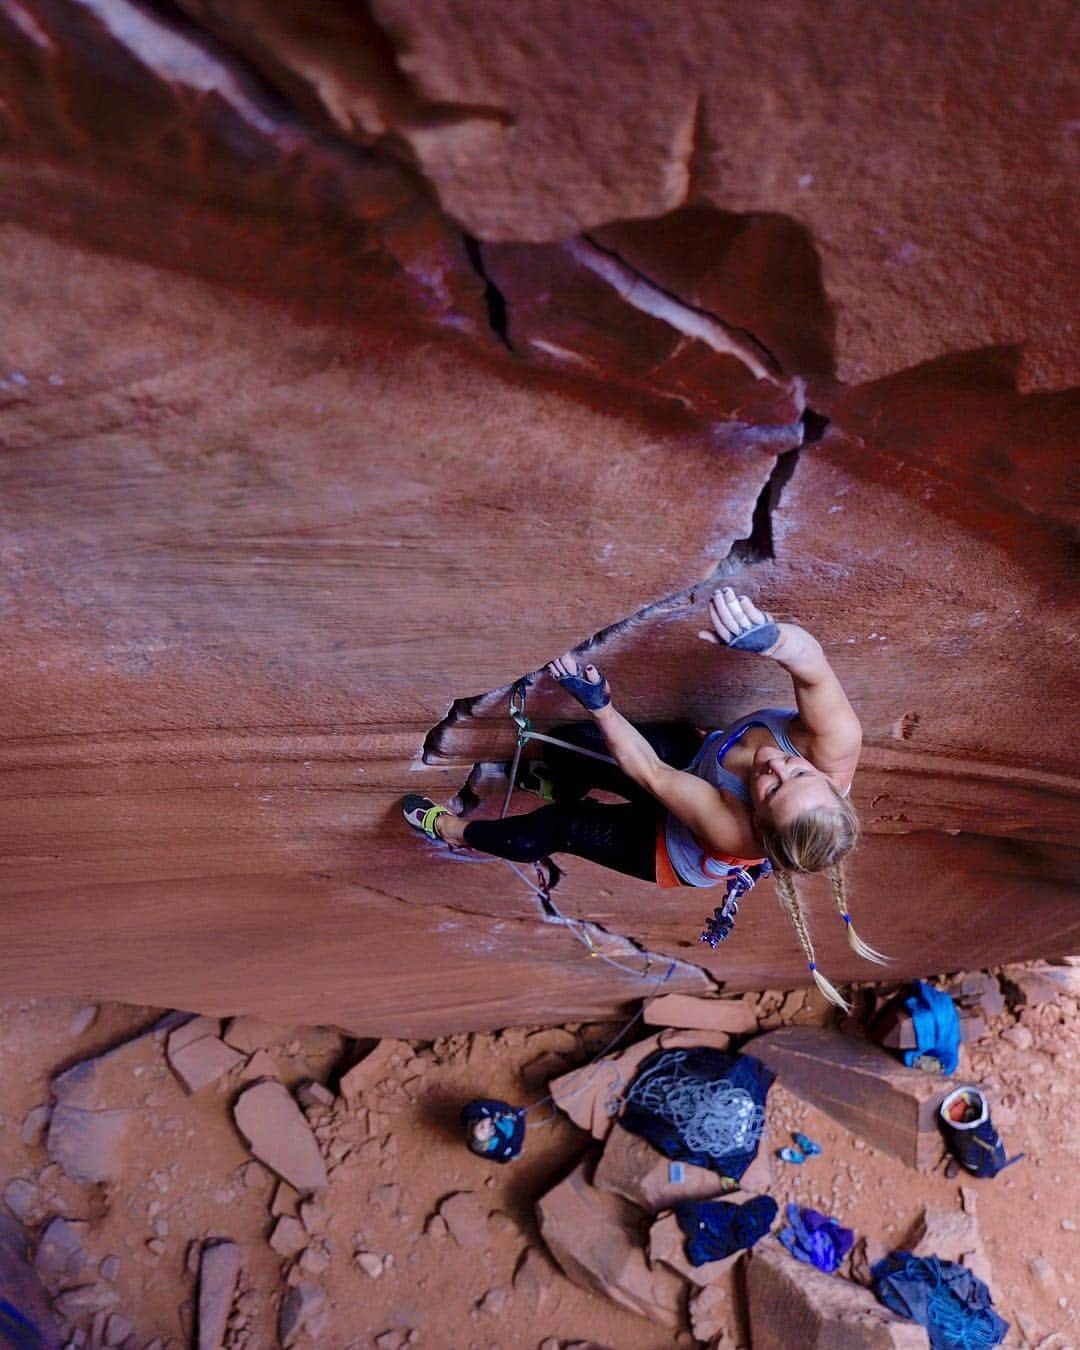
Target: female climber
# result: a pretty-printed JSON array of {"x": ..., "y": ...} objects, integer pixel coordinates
[{"x": 766, "y": 794}]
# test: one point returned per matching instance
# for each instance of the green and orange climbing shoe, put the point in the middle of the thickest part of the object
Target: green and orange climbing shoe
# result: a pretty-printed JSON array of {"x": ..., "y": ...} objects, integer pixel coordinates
[{"x": 421, "y": 813}]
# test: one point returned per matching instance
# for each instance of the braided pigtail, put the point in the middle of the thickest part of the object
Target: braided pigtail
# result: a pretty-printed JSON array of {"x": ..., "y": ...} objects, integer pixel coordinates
[
  {"x": 790, "y": 900},
  {"x": 861, "y": 948}
]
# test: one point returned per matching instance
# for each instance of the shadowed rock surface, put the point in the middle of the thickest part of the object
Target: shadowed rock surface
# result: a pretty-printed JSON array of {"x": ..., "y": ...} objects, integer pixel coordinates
[{"x": 354, "y": 368}]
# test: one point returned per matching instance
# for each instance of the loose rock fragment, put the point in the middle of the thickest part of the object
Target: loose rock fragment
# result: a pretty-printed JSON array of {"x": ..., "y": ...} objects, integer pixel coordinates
[
  {"x": 219, "y": 1270},
  {"x": 312, "y": 1094},
  {"x": 248, "y": 1034},
  {"x": 202, "y": 1062},
  {"x": 466, "y": 1218},
  {"x": 370, "y": 1263},
  {"x": 35, "y": 1124},
  {"x": 260, "y": 1065},
  {"x": 24, "y": 1199},
  {"x": 702, "y": 1014},
  {"x": 302, "y": 1309},
  {"x": 364, "y": 1075},
  {"x": 60, "y": 1250},
  {"x": 289, "y": 1237},
  {"x": 88, "y": 1145},
  {"x": 279, "y": 1136}
]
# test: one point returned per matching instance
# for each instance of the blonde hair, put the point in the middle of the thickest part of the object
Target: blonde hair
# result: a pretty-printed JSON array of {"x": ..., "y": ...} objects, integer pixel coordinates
[{"x": 817, "y": 841}]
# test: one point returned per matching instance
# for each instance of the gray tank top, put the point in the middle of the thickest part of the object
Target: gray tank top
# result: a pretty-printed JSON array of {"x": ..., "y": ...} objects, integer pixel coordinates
[{"x": 693, "y": 864}]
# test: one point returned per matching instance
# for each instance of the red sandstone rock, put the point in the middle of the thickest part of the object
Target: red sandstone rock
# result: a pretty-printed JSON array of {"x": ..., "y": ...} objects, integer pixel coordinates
[
  {"x": 632, "y": 1168},
  {"x": 712, "y": 1014},
  {"x": 202, "y": 1062},
  {"x": 157, "y": 176},
  {"x": 861, "y": 1086},
  {"x": 88, "y": 1145},
  {"x": 594, "y": 1236},
  {"x": 279, "y": 1136},
  {"x": 219, "y": 1270},
  {"x": 791, "y": 1303}
]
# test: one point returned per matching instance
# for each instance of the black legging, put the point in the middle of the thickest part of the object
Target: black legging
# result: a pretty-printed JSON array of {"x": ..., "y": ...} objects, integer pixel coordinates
[{"x": 620, "y": 837}]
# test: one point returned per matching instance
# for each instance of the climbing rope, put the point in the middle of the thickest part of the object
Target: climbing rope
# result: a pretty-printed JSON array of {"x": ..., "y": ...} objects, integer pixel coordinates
[{"x": 716, "y": 1117}]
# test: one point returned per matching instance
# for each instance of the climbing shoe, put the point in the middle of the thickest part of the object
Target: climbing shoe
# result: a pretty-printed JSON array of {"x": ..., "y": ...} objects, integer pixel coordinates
[
  {"x": 422, "y": 813},
  {"x": 534, "y": 776},
  {"x": 970, "y": 1135}
]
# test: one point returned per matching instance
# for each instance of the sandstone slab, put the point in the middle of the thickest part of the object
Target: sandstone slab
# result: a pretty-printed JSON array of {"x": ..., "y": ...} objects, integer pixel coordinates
[
  {"x": 202, "y": 1062},
  {"x": 88, "y": 1145},
  {"x": 701, "y": 1014},
  {"x": 861, "y": 1086},
  {"x": 219, "y": 1270},
  {"x": 596, "y": 1238},
  {"x": 279, "y": 1136},
  {"x": 792, "y": 1304}
]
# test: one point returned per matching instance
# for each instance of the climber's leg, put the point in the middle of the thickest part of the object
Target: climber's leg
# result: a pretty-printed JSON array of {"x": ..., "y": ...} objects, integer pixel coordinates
[{"x": 620, "y": 837}]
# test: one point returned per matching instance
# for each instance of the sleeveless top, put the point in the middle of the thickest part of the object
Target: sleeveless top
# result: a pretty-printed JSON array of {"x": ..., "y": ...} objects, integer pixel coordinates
[{"x": 694, "y": 863}]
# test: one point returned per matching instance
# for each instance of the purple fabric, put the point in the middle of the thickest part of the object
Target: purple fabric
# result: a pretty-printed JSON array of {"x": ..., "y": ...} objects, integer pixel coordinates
[{"x": 816, "y": 1239}]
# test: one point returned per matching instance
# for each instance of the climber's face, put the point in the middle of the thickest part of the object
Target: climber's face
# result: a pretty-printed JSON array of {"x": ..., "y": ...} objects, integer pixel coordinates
[{"x": 785, "y": 786}]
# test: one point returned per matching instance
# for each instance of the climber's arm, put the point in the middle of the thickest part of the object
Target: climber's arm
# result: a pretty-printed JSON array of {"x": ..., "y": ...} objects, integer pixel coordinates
[
  {"x": 828, "y": 731},
  {"x": 696, "y": 803}
]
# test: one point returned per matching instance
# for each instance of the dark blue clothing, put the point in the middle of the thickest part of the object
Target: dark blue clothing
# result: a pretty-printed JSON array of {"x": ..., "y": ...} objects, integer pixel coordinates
[
  {"x": 715, "y": 1229},
  {"x": 509, "y": 1121},
  {"x": 949, "y": 1301}
]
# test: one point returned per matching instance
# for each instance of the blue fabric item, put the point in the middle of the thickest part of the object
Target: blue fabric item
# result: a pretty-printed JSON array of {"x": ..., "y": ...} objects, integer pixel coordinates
[
  {"x": 948, "y": 1300},
  {"x": 676, "y": 1079},
  {"x": 16, "y": 1330},
  {"x": 757, "y": 639},
  {"x": 509, "y": 1121},
  {"x": 937, "y": 1026},
  {"x": 589, "y": 695},
  {"x": 815, "y": 1238},
  {"x": 716, "y": 1228}
]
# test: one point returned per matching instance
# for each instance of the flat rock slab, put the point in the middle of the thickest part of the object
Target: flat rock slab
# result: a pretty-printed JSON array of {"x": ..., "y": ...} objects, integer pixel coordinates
[
  {"x": 596, "y": 1239},
  {"x": 105, "y": 1080},
  {"x": 219, "y": 1270},
  {"x": 279, "y": 1136},
  {"x": 629, "y": 1166},
  {"x": 202, "y": 1062},
  {"x": 791, "y": 1304},
  {"x": 862, "y": 1087},
  {"x": 701, "y": 1014},
  {"x": 466, "y": 1217},
  {"x": 88, "y": 1145}
]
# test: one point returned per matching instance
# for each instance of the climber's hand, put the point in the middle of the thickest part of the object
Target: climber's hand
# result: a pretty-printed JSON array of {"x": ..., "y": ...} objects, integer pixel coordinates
[
  {"x": 738, "y": 623},
  {"x": 588, "y": 686}
]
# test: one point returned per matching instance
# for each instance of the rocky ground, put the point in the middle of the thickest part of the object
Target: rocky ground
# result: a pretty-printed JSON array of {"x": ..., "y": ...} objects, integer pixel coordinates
[{"x": 413, "y": 1240}]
